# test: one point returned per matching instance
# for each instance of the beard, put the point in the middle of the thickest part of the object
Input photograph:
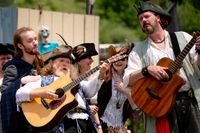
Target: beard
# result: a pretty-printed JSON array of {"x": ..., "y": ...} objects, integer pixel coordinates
[
  {"x": 32, "y": 51},
  {"x": 61, "y": 72},
  {"x": 147, "y": 29}
]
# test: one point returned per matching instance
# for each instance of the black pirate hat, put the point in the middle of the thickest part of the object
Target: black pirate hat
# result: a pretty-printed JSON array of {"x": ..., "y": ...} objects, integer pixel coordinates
[
  {"x": 6, "y": 49},
  {"x": 144, "y": 6},
  {"x": 84, "y": 50}
]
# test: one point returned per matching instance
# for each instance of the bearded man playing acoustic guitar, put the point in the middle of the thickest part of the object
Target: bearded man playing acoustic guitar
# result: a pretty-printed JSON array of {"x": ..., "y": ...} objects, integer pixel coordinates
[
  {"x": 166, "y": 91},
  {"x": 58, "y": 65}
]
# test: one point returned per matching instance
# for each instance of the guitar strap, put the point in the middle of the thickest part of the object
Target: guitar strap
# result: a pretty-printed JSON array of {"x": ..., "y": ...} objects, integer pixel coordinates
[
  {"x": 175, "y": 45},
  {"x": 82, "y": 94}
]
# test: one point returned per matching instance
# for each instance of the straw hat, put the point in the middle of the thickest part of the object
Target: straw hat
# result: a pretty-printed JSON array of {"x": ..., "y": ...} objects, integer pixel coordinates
[{"x": 115, "y": 50}]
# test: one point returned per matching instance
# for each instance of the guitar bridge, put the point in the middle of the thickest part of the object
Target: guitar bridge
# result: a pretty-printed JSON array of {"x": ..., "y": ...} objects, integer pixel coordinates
[{"x": 45, "y": 103}]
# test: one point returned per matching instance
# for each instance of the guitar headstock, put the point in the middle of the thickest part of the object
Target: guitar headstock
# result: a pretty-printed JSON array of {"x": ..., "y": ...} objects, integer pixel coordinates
[{"x": 117, "y": 57}]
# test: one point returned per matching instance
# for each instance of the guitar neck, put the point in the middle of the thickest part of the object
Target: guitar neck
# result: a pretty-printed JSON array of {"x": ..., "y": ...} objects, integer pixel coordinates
[
  {"x": 82, "y": 77},
  {"x": 178, "y": 61},
  {"x": 89, "y": 73}
]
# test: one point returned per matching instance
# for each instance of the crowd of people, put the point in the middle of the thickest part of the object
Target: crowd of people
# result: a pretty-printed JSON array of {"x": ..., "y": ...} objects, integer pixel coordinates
[{"x": 100, "y": 99}]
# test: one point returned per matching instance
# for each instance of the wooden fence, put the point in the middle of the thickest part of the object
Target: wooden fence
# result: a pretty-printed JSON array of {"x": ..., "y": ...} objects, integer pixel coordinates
[{"x": 75, "y": 28}]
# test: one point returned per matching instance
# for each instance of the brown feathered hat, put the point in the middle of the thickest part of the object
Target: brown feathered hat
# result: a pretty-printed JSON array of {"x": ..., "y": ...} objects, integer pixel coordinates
[
  {"x": 60, "y": 51},
  {"x": 116, "y": 50}
]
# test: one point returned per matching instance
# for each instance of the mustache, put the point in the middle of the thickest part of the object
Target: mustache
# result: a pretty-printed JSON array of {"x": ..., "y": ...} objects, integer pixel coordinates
[{"x": 33, "y": 51}]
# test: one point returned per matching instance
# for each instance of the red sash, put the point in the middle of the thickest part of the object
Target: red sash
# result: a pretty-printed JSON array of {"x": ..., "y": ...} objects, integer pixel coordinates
[{"x": 162, "y": 125}]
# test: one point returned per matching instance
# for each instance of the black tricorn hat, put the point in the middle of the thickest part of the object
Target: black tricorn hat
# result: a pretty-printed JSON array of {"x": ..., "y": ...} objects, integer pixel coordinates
[
  {"x": 144, "y": 6},
  {"x": 84, "y": 50},
  {"x": 6, "y": 49}
]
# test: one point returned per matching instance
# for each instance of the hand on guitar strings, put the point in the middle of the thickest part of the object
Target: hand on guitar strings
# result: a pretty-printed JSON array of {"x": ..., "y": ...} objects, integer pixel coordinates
[
  {"x": 48, "y": 94},
  {"x": 102, "y": 71},
  {"x": 197, "y": 43},
  {"x": 158, "y": 72}
]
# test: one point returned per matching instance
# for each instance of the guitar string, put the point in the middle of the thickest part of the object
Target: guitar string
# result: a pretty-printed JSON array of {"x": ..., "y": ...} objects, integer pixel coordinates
[
  {"x": 87, "y": 74},
  {"x": 176, "y": 64}
]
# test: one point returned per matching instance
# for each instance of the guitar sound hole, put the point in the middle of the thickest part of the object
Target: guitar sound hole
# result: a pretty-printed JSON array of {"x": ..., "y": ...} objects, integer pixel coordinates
[
  {"x": 153, "y": 94},
  {"x": 167, "y": 79},
  {"x": 60, "y": 92}
]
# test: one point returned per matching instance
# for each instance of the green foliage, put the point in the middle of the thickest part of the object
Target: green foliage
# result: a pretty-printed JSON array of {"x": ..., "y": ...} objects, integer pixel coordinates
[
  {"x": 118, "y": 18},
  {"x": 188, "y": 17},
  {"x": 196, "y": 4},
  {"x": 135, "y": 122},
  {"x": 72, "y": 6},
  {"x": 122, "y": 21},
  {"x": 111, "y": 31},
  {"x": 5, "y": 3}
]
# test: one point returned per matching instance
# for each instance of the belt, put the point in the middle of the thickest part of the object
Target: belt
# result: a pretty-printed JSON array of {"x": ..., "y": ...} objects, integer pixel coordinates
[
  {"x": 77, "y": 110},
  {"x": 188, "y": 93}
]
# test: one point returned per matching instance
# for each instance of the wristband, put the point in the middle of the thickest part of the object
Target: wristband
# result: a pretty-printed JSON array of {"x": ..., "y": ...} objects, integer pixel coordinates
[
  {"x": 99, "y": 126},
  {"x": 145, "y": 71}
]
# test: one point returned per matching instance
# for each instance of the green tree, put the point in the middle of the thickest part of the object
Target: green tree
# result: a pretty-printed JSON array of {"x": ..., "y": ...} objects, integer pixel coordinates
[
  {"x": 6, "y": 3},
  {"x": 118, "y": 18}
]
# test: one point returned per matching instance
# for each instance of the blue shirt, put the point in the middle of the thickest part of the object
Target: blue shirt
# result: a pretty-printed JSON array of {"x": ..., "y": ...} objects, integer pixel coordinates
[{"x": 47, "y": 48}]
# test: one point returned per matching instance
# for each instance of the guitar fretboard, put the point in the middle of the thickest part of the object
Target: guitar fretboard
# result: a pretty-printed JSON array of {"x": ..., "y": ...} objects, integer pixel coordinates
[
  {"x": 81, "y": 78},
  {"x": 178, "y": 61}
]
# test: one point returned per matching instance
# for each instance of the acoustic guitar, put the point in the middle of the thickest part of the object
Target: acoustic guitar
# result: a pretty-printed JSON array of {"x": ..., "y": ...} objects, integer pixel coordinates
[
  {"x": 44, "y": 114},
  {"x": 157, "y": 97}
]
